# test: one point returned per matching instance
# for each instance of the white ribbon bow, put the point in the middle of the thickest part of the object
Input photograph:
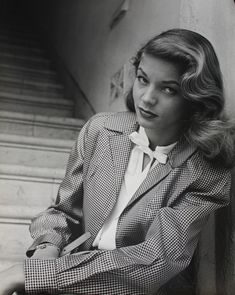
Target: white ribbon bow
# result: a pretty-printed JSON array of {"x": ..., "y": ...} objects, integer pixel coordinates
[{"x": 142, "y": 144}]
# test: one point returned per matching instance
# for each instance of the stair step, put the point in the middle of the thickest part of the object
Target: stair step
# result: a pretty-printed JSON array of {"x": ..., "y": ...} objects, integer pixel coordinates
[
  {"x": 36, "y": 105},
  {"x": 12, "y": 40},
  {"x": 15, "y": 240},
  {"x": 25, "y": 191},
  {"x": 35, "y": 88},
  {"x": 29, "y": 75},
  {"x": 31, "y": 187},
  {"x": 5, "y": 262},
  {"x": 4, "y": 67},
  {"x": 26, "y": 63},
  {"x": 20, "y": 214},
  {"x": 30, "y": 89},
  {"x": 16, "y": 26},
  {"x": 39, "y": 125},
  {"x": 36, "y": 84},
  {"x": 23, "y": 45},
  {"x": 30, "y": 174},
  {"x": 24, "y": 57},
  {"x": 34, "y": 187},
  {"x": 14, "y": 233},
  {"x": 18, "y": 33},
  {"x": 34, "y": 151},
  {"x": 20, "y": 49}
]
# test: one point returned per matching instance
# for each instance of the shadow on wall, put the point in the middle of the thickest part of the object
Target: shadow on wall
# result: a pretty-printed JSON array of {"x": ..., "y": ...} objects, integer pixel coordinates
[
  {"x": 72, "y": 90},
  {"x": 83, "y": 108}
]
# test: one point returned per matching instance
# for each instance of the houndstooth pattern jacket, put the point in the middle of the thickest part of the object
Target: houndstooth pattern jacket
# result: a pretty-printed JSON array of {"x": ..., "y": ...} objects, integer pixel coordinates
[{"x": 157, "y": 232}]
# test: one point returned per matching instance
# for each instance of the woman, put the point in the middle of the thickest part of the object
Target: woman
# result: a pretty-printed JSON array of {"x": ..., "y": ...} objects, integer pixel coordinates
[{"x": 142, "y": 183}]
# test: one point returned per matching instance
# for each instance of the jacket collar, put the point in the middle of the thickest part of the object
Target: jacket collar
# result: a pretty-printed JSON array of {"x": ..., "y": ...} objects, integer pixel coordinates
[
  {"x": 181, "y": 152},
  {"x": 126, "y": 122}
]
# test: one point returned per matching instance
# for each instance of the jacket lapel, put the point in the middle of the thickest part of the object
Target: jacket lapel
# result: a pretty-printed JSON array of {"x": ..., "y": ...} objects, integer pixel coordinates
[
  {"x": 157, "y": 174},
  {"x": 119, "y": 128},
  {"x": 120, "y": 147}
]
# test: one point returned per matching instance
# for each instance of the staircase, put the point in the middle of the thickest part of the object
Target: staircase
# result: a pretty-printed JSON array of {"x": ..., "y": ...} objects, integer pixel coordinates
[{"x": 37, "y": 130}]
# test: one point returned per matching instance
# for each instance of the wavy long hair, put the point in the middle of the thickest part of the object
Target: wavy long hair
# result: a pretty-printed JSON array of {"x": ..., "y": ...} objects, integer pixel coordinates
[{"x": 201, "y": 84}]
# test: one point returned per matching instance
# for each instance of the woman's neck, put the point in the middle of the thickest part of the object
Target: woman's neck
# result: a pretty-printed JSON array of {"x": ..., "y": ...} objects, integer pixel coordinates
[{"x": 161, "y": 138}]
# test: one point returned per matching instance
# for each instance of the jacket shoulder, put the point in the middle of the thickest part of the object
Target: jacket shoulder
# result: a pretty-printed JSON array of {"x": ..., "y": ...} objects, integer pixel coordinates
[
  {"x": 208, "y": 172},
  {"x": 115, "y": 121}
]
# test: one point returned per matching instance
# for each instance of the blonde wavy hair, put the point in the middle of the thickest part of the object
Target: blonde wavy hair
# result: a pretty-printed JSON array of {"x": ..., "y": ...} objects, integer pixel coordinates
[{"x": 201, "y": 85}]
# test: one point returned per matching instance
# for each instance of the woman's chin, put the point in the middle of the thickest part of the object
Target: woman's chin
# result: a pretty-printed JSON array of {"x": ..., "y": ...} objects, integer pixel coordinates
[{"x": 147, "y": 122}]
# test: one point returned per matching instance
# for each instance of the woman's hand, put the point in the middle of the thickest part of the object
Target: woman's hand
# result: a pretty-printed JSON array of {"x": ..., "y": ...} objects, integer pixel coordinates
[{"x": 12, "y": 279}]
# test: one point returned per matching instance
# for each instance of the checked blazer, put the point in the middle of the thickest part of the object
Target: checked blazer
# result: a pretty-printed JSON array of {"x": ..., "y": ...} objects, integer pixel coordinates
[{"x": 157, "y": 232}]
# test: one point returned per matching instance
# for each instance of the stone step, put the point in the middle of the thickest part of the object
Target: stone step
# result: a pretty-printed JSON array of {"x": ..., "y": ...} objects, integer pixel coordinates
[
  {"x": 34, "y": 151},
  {"x": 16, "y": 26},
  {"x": 20, "y": 214},
  {"x": 13, "y": 40},
  {"x": 36, "y": 105},
  {"x": 34, "y": 84},
  {"x": 24, "y": 57},
  {"x": 21, "y": 49},
  {"x": 15, "y": 240},
  {"x": 30, "y": 187},
  {"x": 39, "y": 125},
  {"x": 23, "y": 85},
  {"x": 22, "y": 70},
  {"x": 25, "y": 191},
  {"x": 19, "y": 33},
  {"x": 5, "y": 262},
  {"x": 26, "y": 63},
  {"x": 14, "y": 72},
  {"x": 30, "y": 89}
]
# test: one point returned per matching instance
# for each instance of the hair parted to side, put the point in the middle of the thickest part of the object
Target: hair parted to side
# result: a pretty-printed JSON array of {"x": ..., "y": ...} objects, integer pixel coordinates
[{"x": 201, "y": 85}]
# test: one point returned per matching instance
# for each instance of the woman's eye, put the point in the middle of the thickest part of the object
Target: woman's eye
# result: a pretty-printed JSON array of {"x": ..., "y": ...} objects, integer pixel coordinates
[
  {"x": 142, "y": 79},
  {"x": 169, "y": 90}
]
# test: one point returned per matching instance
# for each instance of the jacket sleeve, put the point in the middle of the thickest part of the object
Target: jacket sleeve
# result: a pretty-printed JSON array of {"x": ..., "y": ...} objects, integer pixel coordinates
[
  {"x": 55, "y": 224},
  {"x": 142, "y": 268}
]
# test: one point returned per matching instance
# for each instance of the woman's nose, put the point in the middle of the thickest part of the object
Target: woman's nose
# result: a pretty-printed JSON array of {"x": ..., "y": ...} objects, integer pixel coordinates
[{"x": 150, "y": 96}]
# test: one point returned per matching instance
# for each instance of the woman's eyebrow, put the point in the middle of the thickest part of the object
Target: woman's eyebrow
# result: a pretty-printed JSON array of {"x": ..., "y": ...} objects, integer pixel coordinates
[
  {"x": 164, "y": 82},
  {"x": 171, "y": 82},
  {"x": 142, "y": 71}
]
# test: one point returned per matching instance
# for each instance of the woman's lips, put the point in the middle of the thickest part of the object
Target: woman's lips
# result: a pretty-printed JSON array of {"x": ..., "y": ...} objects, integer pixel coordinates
[{"x": 147, "y": 114}]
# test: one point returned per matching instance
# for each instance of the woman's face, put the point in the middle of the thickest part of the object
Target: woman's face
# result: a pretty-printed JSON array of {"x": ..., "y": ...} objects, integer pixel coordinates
[{"x": 157, "y": 96}]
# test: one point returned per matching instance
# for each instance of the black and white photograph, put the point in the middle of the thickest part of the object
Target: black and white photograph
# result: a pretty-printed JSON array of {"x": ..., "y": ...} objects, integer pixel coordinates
[{"x": 117, "y": 147}]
